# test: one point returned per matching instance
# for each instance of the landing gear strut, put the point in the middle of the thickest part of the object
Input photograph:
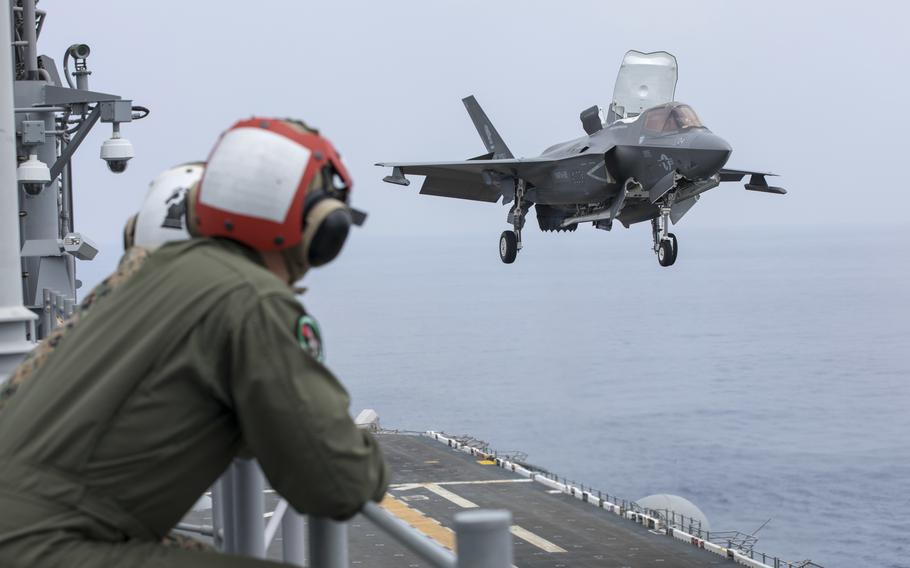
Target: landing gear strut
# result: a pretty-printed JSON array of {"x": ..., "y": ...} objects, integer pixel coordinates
[
  {"x": 510, "y": 241},
  {"x": 665, "y": 244}
]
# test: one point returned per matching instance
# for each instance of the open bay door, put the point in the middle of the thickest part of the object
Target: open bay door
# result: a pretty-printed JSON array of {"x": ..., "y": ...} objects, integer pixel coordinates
[{"x": 644, "y": 80}]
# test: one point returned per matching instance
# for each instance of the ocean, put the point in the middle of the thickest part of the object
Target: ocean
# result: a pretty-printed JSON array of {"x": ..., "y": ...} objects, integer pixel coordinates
[{"x": 764, "y": 376}]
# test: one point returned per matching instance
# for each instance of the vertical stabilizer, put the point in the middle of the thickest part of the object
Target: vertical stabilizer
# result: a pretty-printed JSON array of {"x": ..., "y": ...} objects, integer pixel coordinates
[{"x": 491, "y": 139}]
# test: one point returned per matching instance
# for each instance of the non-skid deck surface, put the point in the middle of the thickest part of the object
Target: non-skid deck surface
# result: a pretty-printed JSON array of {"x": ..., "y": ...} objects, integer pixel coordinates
[{"x": 431, "y": 483}]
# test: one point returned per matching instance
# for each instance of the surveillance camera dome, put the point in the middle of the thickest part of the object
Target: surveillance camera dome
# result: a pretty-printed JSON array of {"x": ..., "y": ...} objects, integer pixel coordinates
[
  {"x": 33, "y": 188},
  {"x": 117, "y": 166},
  {"x": 116, "y": 152},
  {"x": 32, "y": 174}
]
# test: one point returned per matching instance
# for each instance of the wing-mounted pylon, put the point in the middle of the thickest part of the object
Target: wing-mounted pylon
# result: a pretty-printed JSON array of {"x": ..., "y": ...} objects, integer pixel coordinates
[{"x": 757, "y": 181}]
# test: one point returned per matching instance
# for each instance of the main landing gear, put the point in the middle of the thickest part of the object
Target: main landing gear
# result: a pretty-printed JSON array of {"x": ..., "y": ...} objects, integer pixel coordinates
[
  {"x": 510, "y": 241},
  {"x": 665, "y": 244}
]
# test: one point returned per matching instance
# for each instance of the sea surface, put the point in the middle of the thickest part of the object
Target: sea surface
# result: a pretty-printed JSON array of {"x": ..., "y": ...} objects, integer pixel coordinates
[{"x": 764, "y": 376}]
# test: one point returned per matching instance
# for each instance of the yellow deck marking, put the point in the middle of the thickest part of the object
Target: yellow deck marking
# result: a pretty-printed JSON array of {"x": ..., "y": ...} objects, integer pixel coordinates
[
  {"x": 421, "y": 522},
  {"x": 444, "y": 535},
  {"x": 538, "y": 541},
  {"x": 446, "y": 494}
]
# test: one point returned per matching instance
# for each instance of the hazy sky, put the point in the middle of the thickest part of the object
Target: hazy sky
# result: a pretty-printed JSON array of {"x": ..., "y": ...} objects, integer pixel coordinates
[{"x": 811, "y": 90}]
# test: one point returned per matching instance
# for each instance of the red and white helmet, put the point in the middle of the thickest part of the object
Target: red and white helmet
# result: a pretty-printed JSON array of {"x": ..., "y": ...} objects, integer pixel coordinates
[{"x": 275, "y": 184}]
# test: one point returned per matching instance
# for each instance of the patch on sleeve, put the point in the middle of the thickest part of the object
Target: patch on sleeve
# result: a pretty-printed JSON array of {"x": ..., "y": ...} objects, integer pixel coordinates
[{"x": 310, "y": 337}]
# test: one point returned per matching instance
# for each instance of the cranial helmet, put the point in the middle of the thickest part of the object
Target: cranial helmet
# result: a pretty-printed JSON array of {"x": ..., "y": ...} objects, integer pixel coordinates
[
  {"x": 162, "y": 216},
  {"x": 275, "y": 185}
]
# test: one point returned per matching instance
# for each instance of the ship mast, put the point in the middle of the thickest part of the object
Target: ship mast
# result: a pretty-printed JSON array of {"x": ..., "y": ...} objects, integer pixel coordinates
[{"x": 42, "y": 123}]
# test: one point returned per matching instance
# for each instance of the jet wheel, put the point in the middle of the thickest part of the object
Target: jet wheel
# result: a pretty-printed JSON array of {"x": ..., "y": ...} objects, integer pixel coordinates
[
  {"x": 675, "y": 245},
  {"x": 508, "y": 247},
  {"x": 665, "y": 253}
]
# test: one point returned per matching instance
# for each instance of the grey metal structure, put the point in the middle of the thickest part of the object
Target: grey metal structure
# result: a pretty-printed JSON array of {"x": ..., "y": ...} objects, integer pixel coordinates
[
  {"x": 650, "y": 160},
  {"x": 482, "y": 536},
  {"x": 44, "y": 122},
  {"x": 17, "y": 329}
]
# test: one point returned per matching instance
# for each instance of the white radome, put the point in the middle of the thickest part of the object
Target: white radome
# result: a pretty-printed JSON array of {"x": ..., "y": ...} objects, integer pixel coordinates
[{"x": 680, "y": 505}]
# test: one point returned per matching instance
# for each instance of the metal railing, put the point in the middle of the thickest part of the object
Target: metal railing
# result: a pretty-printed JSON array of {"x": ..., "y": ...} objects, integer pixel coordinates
[
  {"x": 732, "y": 543},
  {"x": 482, "y": 537},
  {"x": 733, "y": 540}
]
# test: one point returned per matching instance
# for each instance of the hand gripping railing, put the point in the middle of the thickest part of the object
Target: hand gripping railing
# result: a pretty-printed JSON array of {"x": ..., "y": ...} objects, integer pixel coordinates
[{"x": 482, "y": 537}]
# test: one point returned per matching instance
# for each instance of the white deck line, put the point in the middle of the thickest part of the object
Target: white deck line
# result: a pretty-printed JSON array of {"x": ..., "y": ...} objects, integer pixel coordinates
[
  {"x": 522, "y": 533},
  {"x": 598, "y": 502},
  {"x": 408, "y": 486},
  {"x": 446, "y": 494},
  {"x": 538, "y": 541}
]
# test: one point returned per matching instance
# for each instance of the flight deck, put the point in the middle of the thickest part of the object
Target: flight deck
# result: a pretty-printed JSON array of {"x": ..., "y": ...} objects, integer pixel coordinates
[
  {"x": 553, "y": 526},
  {"x": 431, "y": 482}
]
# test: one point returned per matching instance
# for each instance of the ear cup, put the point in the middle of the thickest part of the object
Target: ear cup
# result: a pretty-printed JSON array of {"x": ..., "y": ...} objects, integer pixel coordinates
[
  {"x": 129, "y": 232},
  {"x": 325, "y": 228},
  {"x": 329, "y": 237}
]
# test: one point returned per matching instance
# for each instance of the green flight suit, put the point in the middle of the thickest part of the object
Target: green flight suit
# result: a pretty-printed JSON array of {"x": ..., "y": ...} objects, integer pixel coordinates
[{"x": 140, "y": 408}]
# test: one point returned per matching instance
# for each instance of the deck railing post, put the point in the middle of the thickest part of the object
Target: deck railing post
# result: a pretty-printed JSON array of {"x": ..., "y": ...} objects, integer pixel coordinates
[
  {"x": 228, "y": 511},
  {"x": 327, "y": 543},
  {"x": 483, "y": 539},
  {"x": 218, "y": 514},
  {"x": 249, "y": 509},
  {"x": 293, "y": 544}
]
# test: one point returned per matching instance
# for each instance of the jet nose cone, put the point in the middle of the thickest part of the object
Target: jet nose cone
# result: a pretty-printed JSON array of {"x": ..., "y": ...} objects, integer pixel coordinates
[{"x": 712, "y": 152}]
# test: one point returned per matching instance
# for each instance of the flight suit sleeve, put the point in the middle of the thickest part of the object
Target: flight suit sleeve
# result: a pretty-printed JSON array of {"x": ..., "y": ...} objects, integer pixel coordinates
[{"x": 293, "y": 414}]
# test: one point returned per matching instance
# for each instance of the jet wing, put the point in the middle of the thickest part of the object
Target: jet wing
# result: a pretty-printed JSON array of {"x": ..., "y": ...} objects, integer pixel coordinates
[
  {"x": 478, "y": 179},
  {"x": 468, "y": 169},
  {"x": 757, "y": 180}
]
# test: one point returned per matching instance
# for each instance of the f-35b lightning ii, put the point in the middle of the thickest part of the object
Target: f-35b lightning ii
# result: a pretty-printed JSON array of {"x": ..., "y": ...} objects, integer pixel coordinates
[{"x": 650, "y": 160}]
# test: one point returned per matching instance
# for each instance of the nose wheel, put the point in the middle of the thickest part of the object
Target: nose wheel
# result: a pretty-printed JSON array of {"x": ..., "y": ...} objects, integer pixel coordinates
[
  {"x": 510, "y": 241},
  {"x": 508, "y": 247},
  {"x": 665, "y": 244},
  {"x": 666, "y": 250}
]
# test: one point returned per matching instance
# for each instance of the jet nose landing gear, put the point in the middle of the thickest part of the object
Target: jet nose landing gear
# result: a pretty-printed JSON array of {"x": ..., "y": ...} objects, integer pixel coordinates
[
  {"x": 510, "y": 241},
  {"x": 665, "y": 245},
  {"x": 508, "y": 247},
  {"x": 666, "y": 250}
]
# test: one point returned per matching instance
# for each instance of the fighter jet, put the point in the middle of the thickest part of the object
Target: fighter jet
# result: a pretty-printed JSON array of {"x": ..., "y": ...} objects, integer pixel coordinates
[{"x": 649, "y": 159}]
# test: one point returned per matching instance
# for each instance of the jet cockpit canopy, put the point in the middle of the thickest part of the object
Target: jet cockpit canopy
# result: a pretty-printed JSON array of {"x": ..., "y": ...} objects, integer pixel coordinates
[
  {"x": 645, "y": 80},
  {"x": 670, "y": 117}
]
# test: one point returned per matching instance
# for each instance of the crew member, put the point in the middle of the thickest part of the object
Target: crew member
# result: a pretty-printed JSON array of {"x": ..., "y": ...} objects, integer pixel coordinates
[{"x": 199, "y": 354}]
